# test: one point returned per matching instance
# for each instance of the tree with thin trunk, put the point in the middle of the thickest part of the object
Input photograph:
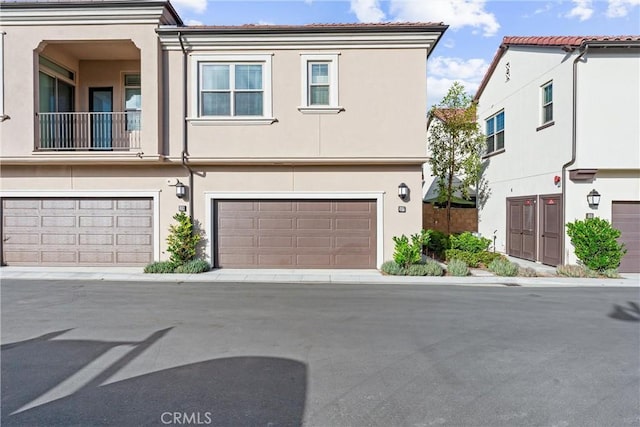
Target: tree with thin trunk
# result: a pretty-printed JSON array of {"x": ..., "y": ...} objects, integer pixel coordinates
[{"x": 455, "y": 146}]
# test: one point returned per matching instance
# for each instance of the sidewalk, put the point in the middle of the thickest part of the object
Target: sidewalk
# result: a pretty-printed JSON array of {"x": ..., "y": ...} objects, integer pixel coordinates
[{"x": 135, "y": 274}]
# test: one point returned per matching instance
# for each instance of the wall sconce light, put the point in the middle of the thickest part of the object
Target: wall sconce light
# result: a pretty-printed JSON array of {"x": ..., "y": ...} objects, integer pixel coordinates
[
  {"x": 181, "y": 190},
  {"x": 593, "y": 198},
  {"x": 403, "y": 191}
]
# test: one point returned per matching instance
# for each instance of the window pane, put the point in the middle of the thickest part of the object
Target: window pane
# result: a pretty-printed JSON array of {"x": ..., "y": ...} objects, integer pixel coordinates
[
  {"x": 65, "y": 97},
  {"x": 500, "y": 141},
  {"x": 216, "y": 104},
  {"x": 319, "y": 95},
  {"x": 548, "y": 94},
  {"x": 132, "y": 99},
  {"x": 490, "y": 144},
  {"x": 132, "y": 79},
  {"x": 490, "y": 126},
  {"x": 319, "y": 73},
  {"x": 47, "y": 93},
  {"x": 248, "y": 76},
  {"x": 500, "y": 122},
  {"x": 548, "y": 113},
  {"x": 248, "y": 104},
  {"x": 215, "y": 77},
  {"x": 133, "y": 120},
  {"x": 44, "y": 62}
]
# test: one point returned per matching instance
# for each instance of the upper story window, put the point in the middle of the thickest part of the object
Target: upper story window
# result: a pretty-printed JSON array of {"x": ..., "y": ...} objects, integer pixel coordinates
[
  {"x": 56, "y": 87},
  {"x": 319, "y": 74},
  {"x": 233, "y": 87},
  {"x": 132, "y": 100},
  {"x": 495, "y": 133},
  {"x": 547, "y": 103}
]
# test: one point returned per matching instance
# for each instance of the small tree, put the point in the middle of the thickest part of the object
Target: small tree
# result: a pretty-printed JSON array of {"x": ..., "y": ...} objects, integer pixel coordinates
[
  {"x": 455, "y": 144},
  {"x": 182, "y": 241},
  {"x": 594, "y": 240}
]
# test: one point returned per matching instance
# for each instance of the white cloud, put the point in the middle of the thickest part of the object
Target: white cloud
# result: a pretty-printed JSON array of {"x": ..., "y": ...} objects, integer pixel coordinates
[
  {"x": 367, "y": 10},
  {"x": 620, "y": 8},
  {"x": 193, "y": 22},
  {"x": 449, "y": 43},
  {"x": 456, "y": 13},
  {"x": 198, "y": 6},
  {"x": 582, "y": 10},
  {"x": 443, "y": 71},
  {"x": 546, "y": 8}
]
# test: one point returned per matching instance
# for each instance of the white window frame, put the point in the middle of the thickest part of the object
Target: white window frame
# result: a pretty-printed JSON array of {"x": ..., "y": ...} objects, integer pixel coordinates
[
  {"x": 306, "y": 59},
  {"x": 124, "y": 96},
  {"x": 267, "y": 108},
  {"x": 3, "y": 116},
  {"x": 543, "y": 105},
  {"x": 495, "y": 133}
]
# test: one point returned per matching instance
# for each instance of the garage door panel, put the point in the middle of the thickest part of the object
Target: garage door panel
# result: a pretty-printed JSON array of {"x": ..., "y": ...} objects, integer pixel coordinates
[
  {"x": 625, "y": 216},
  {"x": 236, "y": 223},
  {"x": 297, "y": 234},
  {"x": 77, "y": 231}
]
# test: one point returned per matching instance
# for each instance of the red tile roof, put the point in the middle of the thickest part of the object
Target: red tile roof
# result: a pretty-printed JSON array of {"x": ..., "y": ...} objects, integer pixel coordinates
[{"x": 572, "y": 42}]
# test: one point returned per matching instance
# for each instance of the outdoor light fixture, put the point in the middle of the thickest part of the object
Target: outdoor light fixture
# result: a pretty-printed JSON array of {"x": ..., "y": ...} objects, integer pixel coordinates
[
  {"x": 403, "y": 191},
  {"x": 181, "y": 190},
  {"x": 593, "y": 198}
]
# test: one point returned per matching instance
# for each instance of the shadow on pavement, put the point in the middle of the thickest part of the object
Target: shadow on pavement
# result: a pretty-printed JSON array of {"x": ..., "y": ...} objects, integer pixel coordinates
[
  {"x": 629, "y": 313},
  {"x": 231, "y": 391}
]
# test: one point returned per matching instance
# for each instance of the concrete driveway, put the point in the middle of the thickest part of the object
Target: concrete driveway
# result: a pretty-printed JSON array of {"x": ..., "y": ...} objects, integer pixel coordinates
[{"x": 133, "y": 354}]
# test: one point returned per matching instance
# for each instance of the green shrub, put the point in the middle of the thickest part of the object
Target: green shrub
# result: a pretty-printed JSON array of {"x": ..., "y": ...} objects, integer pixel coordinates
[
  {"x": 392, "y": 268},
  {"x": 421, "y": 239},
  {"x": 594, "y": 240},
  {"x": 503, "y": 267},
  {"x": 430, "y": 268},
  {"x": 160, "y": 267},
  {"x": 405, "y": 252},
  {"x": 485, "y": 258},
  {"x": 611, "y": 273},
  {"x": 575, "y": 271},
  {"x": 457, "y": 267},
  {"x": 182, "y": 242},
  {"x": 527, "y": 272},
  {"x": 438, "y": 243},
  {"x": 470, "y": 258},
  {"x": 193, "y": 267},
  {"x": 469, "y": 243}
]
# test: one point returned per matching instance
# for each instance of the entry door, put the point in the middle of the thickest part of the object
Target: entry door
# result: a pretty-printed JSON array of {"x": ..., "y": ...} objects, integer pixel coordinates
[
  {"x": 551, "y": 229},
  {"x": 101, "y": 107},
  {"x": 521, "y": 227}
]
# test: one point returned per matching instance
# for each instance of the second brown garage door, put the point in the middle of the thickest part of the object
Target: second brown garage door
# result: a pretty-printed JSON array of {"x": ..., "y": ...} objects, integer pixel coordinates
[
  {"x": 625, "y": 216},
  {"x": 295, "y": 233}
]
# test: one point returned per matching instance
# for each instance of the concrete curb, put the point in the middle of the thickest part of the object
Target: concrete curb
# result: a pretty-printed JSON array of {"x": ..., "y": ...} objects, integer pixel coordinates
[{"x": 303, "y": 277}]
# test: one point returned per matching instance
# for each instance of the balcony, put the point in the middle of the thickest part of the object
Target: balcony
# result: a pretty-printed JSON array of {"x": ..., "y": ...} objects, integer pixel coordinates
[{"x": 119, "y": 131}]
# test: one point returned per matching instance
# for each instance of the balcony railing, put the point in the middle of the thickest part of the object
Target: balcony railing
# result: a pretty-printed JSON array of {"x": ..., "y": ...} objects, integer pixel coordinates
[{"x": 88, "y": 131}]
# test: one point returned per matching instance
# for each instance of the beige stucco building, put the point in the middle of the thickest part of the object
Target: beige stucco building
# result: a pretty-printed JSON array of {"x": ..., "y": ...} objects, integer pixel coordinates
[{"x": 290, "y": 141}]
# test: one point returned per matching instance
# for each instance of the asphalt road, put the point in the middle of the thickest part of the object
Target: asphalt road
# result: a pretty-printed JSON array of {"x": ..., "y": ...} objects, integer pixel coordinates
[{"x": 135, "y": 354}]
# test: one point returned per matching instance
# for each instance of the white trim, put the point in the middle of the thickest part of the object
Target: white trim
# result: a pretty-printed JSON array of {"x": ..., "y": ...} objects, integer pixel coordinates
[
  {"x": 378, "y": 196},
  {"x": 243, "y": 120},
  {"x": 318, "y": 109},
  {"x": 154, "y": 194},
  {"x": 194, "y": 90},
  {"x": 52, "y": 14},
  {"x": 332, "y": 60},
  {"x": 3, "y": 117}
]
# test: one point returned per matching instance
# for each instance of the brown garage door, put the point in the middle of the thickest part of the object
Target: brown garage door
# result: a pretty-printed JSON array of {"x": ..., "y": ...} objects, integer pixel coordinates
[
  {"x": 77, "y": 231},
  {"x": 295, "y": 233},
  {"x": 625, "y": 216}
]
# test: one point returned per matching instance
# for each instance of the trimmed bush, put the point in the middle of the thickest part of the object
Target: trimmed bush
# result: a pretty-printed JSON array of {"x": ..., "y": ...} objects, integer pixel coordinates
[
  {"x": 457, "y": 267},
  {"x": 470, "y": 258},
  {"x": 503, "y": 267},
  {"x": 469, "y": 243},
  {"x": 485, "y": 258},
  {"x": 611, "y": 273},
  {"x": 193, "y": 267},
  {"x": 182, "y": 242},
  {"x": 160, "y": 267},
  {"x": 576, "y": 271},
  {"x": 392, "y": 268},
  {"x": 594, "y": 240}
]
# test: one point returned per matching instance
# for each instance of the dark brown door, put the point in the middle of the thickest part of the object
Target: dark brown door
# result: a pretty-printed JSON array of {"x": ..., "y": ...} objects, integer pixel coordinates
[
  {"x": 625, "y": 216},
  {"x": 295, "y": 233},
  {"x": 551, "y": 229},
  {"x": 521, "y": 227}
]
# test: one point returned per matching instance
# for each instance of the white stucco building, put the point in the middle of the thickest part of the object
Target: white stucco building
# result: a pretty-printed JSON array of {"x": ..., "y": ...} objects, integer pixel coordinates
[{"x": 561, "y": 115}]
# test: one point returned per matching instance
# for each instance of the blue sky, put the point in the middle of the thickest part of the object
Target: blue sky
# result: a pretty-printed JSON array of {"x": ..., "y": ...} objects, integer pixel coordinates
[{"x": 476, "y": 27}]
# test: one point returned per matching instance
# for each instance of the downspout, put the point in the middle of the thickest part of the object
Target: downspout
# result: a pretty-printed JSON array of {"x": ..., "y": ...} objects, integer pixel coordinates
[
  {"x": 185, "y": 134},
  {"x": 574, "y": 140}
]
